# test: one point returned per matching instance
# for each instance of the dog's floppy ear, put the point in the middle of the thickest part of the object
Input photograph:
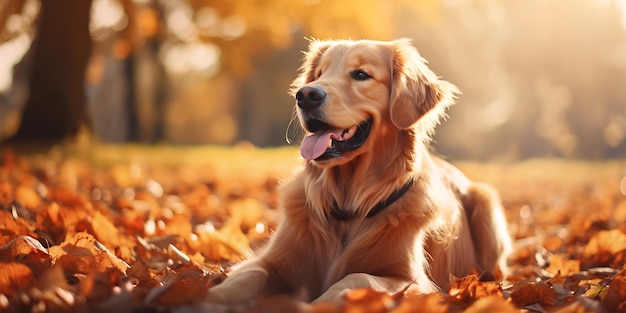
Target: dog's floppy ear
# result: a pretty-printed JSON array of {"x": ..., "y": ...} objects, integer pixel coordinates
[
  {"x": 309, "y": 65},
  {"x": 416, "y": 90}
]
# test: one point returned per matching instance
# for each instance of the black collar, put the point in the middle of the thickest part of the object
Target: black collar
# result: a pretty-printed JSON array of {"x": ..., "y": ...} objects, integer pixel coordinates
[{"x": 344, "y": 215}]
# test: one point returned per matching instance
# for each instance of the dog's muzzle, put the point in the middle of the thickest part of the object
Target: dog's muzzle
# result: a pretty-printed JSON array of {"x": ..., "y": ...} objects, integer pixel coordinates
[
  {"x": 326, "y": 141},
  {"x": 310, "y": 97}
]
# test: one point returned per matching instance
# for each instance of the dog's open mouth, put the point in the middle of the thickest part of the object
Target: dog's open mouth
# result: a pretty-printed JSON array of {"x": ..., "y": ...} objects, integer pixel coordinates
[{"x": 327, "y": 142}]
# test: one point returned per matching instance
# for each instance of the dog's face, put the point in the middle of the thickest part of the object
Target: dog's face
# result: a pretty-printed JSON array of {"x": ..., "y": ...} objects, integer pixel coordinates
[{"x": 350, "y": 94}]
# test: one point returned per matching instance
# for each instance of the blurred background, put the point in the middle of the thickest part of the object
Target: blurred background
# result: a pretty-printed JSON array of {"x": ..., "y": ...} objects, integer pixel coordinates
[{"x": 539, "y": 78}]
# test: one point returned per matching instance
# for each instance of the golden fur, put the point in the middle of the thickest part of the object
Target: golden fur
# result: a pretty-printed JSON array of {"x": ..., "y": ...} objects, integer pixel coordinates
[{"x": 443, "y": 225}]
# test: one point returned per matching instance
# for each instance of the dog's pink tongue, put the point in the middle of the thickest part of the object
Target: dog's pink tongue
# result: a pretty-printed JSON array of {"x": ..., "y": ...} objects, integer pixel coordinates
[{"x": 314, "y": 145}]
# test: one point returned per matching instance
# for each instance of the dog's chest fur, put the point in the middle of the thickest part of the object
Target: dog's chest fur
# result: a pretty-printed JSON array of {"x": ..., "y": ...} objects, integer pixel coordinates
[
  {"x": 355, "y": 239},
  {"x": 347, "y": 256}
]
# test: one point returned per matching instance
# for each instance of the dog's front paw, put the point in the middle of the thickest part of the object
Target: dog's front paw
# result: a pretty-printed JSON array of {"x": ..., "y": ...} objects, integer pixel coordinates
[
  {"x": 218, "y": 295},
  {"x": 334, "y": 296},
  {"x": 241, "y": 286}
]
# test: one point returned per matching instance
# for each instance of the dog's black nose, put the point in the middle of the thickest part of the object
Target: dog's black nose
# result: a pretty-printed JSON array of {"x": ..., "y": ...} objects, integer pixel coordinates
[{"x": 310, "y": 97}]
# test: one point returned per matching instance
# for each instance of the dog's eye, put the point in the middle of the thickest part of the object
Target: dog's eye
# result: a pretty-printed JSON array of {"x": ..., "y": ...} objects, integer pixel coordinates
[{"x": 359, "y": 75}]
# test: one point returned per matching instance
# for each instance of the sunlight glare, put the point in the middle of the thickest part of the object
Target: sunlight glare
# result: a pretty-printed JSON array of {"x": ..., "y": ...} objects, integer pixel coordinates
[
  {"x": 179, "y": 23},
  {"x": 11, "y": 52},
  {"x": 525, "y": 213},
  {"x": 207, "y": 20},
  {"x": 154, "y": 188},
  {"x": 149, "y": 227},
  {"x": 259, "y": 228},
  {"x": 615, "y": 131},
  {"x": 207, "y": 228},
  {"x": 106, "y": 14},
  {"x": 173, "y": 59},
  {"x": 203, "y": 58},
  {"x": 620, "y": 5},
  {"x": 233, "y": 27}
]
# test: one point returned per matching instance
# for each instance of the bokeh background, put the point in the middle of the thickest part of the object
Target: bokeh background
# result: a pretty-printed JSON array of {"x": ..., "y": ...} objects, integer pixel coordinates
[{"x": 539, "y": 78}]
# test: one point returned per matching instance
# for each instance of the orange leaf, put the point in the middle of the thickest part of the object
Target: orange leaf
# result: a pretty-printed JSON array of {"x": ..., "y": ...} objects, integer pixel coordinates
[
  {"x": 549, "y": 292},
  {"x": 180, "y": 291},
  {"x": 14, "y": 276},
  {"x": 558, "y": 263},
  {"x": 104, "y": 230},
  {"x": 372, "y": 300},
  {"x": 608, "y": 241},
  {"x": 605, "y": 247},
  {"x": 28, "y": 197},
  {"x": 27, "y": 250},
  {"x": 615, "y": 297},
  {"x": 491, "y": 304},
  {"x": 81, "y": 254},
  {"x": 434, "y": 302},
  {"x": 10, "y": 225},
  {"x": 469, "y": 288}
]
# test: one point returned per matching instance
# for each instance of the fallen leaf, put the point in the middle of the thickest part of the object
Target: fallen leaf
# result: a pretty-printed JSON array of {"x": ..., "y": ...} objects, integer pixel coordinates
[
  {"x": 26, "y": 250},
  {"x": 28, "y": 197},
  {"x": 615, "y": 298},
  {"x": 434, "y": 303},
  {"x": 468, "y": 289},
  {"x": 130, "y": 236},
  {"x": 549, "y": 292},
  {"x": 560, "y": 264},
  {"x": 372, "y": 300},
  {"x": 81, "y": 254},
  {"x": 14, "y": 276},
  {"x": 490, "y": 304},
  {"x": 178, "y": 292}
]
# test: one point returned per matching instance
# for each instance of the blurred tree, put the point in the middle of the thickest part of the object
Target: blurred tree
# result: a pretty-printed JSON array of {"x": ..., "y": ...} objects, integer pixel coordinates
[
  {"x": 211, "y": 71},
  {"x": 249, "y": 30},
  {"x": 56, "y": 106},
  {"x": 243, "y": 42},
  {"x": 126, "y": 81},
  {"x": 243, "y": 33}
]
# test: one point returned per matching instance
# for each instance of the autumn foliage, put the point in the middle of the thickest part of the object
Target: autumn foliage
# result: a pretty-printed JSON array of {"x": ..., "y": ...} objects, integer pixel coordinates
[{"x": 82, "y": 234}]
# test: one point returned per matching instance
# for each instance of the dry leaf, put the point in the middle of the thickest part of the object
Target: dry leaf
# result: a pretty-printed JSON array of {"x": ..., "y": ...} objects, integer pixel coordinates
[
  {"x": 549, "y": 292},
  {"x": 372, "y": 301},
  {"x": 76, "y": 235},
  {"x": 434, "y": 302},
  {"x": 14, "y": 276},
  {"x": 566, "y": 267},
  {"x": 179, "y": 292},
  {"x": 491, "y": 304},
  {"x": 615, "y": 298},
  {"x": 469, "y": 288},
  {"x": 605, "y": 247},
  {"x": 28, "y": 197},
  {"x": 80, "y": 254},
  {"x": 26, "y": 250}
]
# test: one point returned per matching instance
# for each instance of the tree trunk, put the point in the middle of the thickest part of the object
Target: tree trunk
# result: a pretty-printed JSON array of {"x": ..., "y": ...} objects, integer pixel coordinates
[{"x": 56, "y": 108}]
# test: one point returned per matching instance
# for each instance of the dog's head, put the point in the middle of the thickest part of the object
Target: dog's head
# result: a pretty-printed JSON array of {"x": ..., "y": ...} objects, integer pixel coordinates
[{"x": 350, "y": 94}]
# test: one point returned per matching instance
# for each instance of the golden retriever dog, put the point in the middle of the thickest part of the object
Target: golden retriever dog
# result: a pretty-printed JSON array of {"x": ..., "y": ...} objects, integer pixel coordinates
[{"x": 372, "y": 208}]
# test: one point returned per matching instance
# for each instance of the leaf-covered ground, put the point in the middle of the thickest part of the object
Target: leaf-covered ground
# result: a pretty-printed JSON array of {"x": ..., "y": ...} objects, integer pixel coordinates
[{"x": 138, "y": 229}]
